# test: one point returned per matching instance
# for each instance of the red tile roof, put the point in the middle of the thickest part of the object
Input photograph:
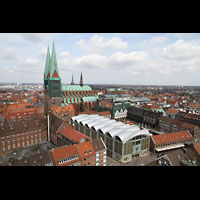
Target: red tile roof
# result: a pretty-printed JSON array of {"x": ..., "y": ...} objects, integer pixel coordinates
[
  {"x": 197, "y": 147},
  {"x": 85, "y": 149},
  {"x": 174, "y": 111},
  {"x": 64, "y": 152},
  {"x": 65, "y": 109},
  {"x": 67, "y": 131},
  {"x": 171, "y": 137}
]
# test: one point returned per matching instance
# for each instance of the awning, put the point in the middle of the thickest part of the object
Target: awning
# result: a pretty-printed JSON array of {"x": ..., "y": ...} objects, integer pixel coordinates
[{"x": 158, "y": 149}]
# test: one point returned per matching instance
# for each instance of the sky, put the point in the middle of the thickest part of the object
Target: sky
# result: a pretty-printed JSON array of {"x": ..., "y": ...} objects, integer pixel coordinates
[{"x": 103, "y": 58}]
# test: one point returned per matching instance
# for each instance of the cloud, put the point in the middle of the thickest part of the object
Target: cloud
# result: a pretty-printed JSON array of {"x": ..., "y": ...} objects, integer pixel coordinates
[
  {"x": 35, "y": 37},
  {"x": 184, "y": 35},
  {"x": 181, "y": 50},
  {"x": 64, "y": 54},
  {"x": 11, "y": 53},
  {"x": 43, "y": 52},
  {"x": 99, "y": 43},
  {"x": 156, "y": 40},
  {"x": 29, "y": 62}
]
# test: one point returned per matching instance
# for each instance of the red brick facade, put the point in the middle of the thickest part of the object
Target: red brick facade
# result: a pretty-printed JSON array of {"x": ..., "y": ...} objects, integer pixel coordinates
[{"x": 11, "y": 142}]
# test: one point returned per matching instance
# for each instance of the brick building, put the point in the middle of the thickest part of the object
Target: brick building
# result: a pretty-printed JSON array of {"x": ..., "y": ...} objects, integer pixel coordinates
[
  {"x": 83, "y": 154},
  {"x": 66, "y": 156},
  {"x": 169, "y": 125},
  {"x": 100, "y": 150},
  {"x": 146, "y": 115},
  {"x": 170, "y": 141},
  {"x": 17, "y": 134}
]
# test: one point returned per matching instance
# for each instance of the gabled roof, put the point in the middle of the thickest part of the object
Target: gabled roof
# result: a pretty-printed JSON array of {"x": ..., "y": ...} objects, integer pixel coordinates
[
  {"x": 67, "y": 131},
  {"x": 63, "y": 153},
  {"x": 170, "y": 110},
  {"x": 85, "y": 149},
  {"x": 98, "y": 144},
  {"x": 171, "y": 137}
]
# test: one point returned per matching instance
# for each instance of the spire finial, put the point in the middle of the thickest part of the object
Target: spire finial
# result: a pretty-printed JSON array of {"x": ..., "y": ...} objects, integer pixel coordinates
[
  {"x": 72, "y": 83},
  {"x": 81, "y": 80}
]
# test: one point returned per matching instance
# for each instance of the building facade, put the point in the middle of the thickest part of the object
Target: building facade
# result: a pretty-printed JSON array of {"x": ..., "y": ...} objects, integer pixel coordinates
[
  {"x": 23, "y": 133},
  {"x": 123, "y": 141},
  {"x": 146, "y": 116},
  {"x": 170, "y": 141},
  {"x": 83, "y": 154},
  {"x": 100, "y": 150}
]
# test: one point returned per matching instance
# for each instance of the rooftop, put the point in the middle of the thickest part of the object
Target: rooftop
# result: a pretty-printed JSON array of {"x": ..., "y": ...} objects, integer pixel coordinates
[
  {"x": 64, "y": 152},
  {"x": 171, "y": 137},
  {"x": 98, "y": 144},
  {"x": 125, "y": 132},
  {"x": 67, "y": 131},
  {"x": 40, "y": 159}
]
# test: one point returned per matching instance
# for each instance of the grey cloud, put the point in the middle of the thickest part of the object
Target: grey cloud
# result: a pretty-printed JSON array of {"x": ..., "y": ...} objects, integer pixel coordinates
[{"x": 35, "y": 37}]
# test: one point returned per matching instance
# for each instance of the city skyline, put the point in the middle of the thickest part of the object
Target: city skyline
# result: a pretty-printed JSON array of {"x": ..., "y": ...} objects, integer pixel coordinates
[{"x": 103, "y": 58}]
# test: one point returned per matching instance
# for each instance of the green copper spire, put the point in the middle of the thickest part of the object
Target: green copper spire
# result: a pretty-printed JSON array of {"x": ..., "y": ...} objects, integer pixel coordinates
[
  {"x": 53, "y": 66},
  {"x": 72, "y": 83},
  {"x": 47, "y": 64}
]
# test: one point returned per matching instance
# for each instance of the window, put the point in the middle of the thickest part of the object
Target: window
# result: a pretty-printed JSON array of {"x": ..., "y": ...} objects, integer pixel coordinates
[{"x": 85, "y": 152}]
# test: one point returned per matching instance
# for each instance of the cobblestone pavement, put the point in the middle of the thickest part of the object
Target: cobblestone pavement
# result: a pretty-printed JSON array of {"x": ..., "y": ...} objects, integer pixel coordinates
[
  {"x": 112, "y": 162},
  {"x": 139, "y": 161}
]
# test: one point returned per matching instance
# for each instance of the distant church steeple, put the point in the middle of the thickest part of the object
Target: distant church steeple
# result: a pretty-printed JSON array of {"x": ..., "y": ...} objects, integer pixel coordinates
[
  {"x": 81, "y": 80},
  {"x": 72, "y": 83}
]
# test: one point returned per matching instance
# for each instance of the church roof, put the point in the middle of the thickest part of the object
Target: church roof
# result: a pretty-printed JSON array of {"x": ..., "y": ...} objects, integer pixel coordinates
[
  {"x": 47, "y": 64},
  {"x": 53, "y": 64},
  {"x": 91, "y": 98},
  {"x": 76, "y": 88}
]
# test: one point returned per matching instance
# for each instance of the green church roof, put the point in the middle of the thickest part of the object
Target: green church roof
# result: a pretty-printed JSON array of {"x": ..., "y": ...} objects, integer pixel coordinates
[
  {"x": 75, "y": 88},
  {"x": 47, "y": 64},
  {"x": 91, "y": 98},
  {"x": 53, "y": 63}
]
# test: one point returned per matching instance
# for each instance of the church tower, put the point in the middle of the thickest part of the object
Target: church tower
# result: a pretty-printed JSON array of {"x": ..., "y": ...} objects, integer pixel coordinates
[
  {"x": 52, "y": 81},
  {"x": 81, "y": 80},
  {"x": 72, "y": 83},
  {"x": 47, "y": 66}
]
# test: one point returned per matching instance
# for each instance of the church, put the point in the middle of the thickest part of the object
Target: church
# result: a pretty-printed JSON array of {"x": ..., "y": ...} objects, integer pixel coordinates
[{"x": 79, "y": 95}]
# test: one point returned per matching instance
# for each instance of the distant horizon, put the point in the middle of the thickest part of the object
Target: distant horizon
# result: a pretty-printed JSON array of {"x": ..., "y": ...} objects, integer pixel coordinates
[{"x": 110, "y": 84}]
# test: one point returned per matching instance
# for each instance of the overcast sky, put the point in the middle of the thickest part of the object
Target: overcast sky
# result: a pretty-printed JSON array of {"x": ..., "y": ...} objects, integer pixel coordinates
[{"x": 114, "y": 58}]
